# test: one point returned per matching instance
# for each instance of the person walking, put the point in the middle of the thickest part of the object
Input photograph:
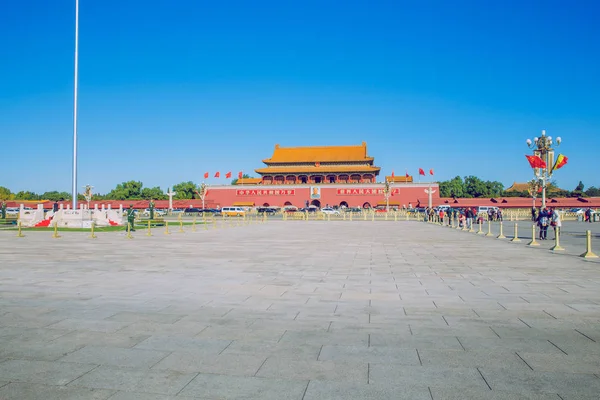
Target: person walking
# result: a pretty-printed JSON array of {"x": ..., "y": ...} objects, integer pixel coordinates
[{"x": 543, "y": 224}]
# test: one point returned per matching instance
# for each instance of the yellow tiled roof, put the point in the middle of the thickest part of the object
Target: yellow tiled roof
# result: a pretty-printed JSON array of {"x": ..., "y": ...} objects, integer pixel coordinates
[
  {"x": 318, "y": 154},
  {"x": 316, "y": 170},
  {"x": 399, "y": 179},
  {"x": 523, "y": 187},
  {"x": 248, "y": 181}
]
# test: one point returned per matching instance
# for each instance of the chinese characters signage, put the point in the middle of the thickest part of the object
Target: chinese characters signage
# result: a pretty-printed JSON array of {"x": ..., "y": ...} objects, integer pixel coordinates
[
  {"x": 365, "y": 191},
  {"x": 273, "y": 192}
]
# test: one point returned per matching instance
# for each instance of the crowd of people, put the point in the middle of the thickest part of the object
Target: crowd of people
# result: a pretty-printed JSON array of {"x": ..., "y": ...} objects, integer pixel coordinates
[{"x": 463, "y": 216}]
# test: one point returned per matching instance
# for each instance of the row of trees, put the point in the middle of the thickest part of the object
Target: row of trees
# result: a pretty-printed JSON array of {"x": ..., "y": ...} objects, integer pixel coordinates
[
  {"x": 470, "y": 186},
  {"x": 130, "y": 190}
]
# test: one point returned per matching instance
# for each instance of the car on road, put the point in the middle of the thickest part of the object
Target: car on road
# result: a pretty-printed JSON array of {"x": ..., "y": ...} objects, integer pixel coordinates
[
  {"x": 329, "y": 210},
  {"x": 266, "y": 210},
  {"x": 157, "y": 213}
]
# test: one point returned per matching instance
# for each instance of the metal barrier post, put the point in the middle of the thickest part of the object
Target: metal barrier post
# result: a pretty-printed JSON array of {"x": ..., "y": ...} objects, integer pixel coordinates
[
  {"x": 533, "y": 241},
  {"x": 501, "y": 235},
  {"x": 557, "y": 246},
  {"x": 588, "y": 252}
]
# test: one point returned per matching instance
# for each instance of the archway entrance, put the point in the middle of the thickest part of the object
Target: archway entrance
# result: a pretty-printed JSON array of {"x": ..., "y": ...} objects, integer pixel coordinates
[
  {"x": 315, "y": 203},
  {"x": 344, "y": 204},
  {"x": 367, "y": 205},
  {"x": 265, "y": 204},
  {"x": 287, "y": 203}
]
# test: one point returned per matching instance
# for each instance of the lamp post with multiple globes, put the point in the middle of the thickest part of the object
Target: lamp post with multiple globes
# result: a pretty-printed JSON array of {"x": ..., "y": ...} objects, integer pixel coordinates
[{"x": 542, "y": 147}]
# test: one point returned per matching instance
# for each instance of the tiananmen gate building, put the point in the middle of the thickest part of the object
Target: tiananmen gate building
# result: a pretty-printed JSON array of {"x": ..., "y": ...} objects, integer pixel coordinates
[{"x": 335, "y": 176}]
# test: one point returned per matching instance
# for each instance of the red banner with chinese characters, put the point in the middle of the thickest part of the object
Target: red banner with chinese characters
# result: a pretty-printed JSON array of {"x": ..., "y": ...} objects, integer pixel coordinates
[
  {"x": 264, "y": 192},
  {"x": 365, "y": 191}
]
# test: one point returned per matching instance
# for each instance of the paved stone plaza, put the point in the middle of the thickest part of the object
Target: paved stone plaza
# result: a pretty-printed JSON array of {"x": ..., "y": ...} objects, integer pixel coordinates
[{"x": 295, "y": 310}]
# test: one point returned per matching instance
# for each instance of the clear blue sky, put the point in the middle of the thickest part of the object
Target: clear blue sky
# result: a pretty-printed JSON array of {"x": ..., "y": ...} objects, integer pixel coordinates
[{"x": 171, "y": 89}]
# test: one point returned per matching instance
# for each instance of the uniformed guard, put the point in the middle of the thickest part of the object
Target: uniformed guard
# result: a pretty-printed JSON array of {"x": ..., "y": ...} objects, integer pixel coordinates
[
  {"x": 3, "y": 210},
  {"x": 151, "y": 207},
  {"x": 131, "y": 217}
]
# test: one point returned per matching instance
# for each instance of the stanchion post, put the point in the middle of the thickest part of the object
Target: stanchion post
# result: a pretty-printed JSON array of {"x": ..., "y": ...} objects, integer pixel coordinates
[
  {"x": 149, "y": 233},
  {"x": 167, "y": 228},
  {"x": 588, "y": 252},
  {"x": 55, "y": 235},
  {"x": 19, "y": 233},
  {"x": 557, "y": 246},
  {"x": 516, "y": 236},
  {"x": 194, "y": 224},
  {"x": 501, "y": 235},
  {"x": 129, "y": 236},
  {"x": 533, "y": 241},
  {"x": 92, "y": 233},
  {"x": 480, "y": 230},
  {"x": 489, "y": 232},
  {"x": 181, "y": 226}
]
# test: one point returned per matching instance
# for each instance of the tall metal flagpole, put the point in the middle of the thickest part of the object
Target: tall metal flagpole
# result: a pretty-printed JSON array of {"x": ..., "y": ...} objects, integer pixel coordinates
[{"x": 74, "y": 189}]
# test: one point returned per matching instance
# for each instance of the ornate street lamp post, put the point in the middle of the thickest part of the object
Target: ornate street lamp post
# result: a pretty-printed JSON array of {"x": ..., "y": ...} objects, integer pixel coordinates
[
  {"x": 202, "y": 193},
  {"x": 542, "y": 147},
  {"x": 387, "y": 191},
  {"x": 87, "y": 194},
  {"x": 533, "y": 187}
]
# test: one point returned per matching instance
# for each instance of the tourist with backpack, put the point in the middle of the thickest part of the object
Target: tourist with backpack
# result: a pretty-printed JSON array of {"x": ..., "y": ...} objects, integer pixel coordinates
[{"x": 543, "y": 222}]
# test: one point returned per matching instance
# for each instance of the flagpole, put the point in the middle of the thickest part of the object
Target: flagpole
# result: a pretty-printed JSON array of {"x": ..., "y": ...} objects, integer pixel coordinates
[{"x": 74, "y": 188}]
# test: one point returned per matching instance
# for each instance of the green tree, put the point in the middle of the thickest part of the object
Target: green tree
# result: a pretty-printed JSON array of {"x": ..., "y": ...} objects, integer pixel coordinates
[
  {"x": 245, "y": 176},
  {"x": 475, "y": 187},
  {"x": 26, "y": 195},
  {"x": 185, "y": 190},
  {"x": 126, "y": 190},
  {"x": 154, "y": 193},
  {"x": 453, "y": 188},
  {"x": 495, "y": 188},
  {"x": 593, "y": 191},
  {"x": 55, "y": 196},
  {"x": 5, "y": 193},
  {"x": 578, "y": 192}
]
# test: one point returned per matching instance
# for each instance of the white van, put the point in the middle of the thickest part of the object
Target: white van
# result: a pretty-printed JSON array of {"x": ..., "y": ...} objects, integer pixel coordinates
[
  {"x": 233, "y": 211},
  {"x": 485, "y": 209}
]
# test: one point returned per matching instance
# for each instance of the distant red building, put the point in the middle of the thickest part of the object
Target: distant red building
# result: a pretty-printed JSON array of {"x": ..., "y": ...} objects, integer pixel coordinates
[{"x": 336, "y": 176}]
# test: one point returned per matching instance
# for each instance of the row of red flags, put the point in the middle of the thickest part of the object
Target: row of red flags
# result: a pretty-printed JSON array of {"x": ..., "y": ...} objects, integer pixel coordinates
[
  {"x": 227, "y": 175},
  {"x": 421, "y": 172}
]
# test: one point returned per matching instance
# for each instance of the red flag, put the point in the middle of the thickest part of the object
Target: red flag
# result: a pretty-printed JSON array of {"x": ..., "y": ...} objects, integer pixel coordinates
[
  {"x": 431, "y": 171},
  {"x": 206, "y": 175},
  {"x": 217, "y": 174},
  {"x": 392, "y": 174},
  {"x": 421, "y": 172},
  {"x": 407, "y": 174},
  {"x": 228, "y": 175},
  {"x": 536, "y": 161},
  {"x": 240, "y": 175}
]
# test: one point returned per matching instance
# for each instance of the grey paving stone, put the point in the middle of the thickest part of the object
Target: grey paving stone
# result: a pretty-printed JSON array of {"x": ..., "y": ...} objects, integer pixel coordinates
[
  {"x": 32, "y": 391},
  {"x": 147, "y": 396},
  {"x": 330, "y": 390},
  {"x": 378, "y": 354},
  {"x": 88, "y": 338},
  {"x": 244, "y": 388},
  {"x": 116, "y": 356},
  {"x": 422, "y": 376},
  {"x": 178, "y": 343},
  {"x": 134, "y": 380},
  {"x": 153, "y": 317},
  {"x": 415, "y": 342},
  {"x": 323, "y": 338},
  {"x": 50, "y": 373},
  {"x": 575, "y": 363},
  {"x": 42, "y": 351},
  {"x": 471, "y": 358},
  {"x": 470, "y": 394},
  {"x": 533, "y": 381},
  {"x": 275, "y": 350},
  {"x": 224, "y": 364},
  {"x": 314, "y": 370},
  {"x": 90, "y": 325}
]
